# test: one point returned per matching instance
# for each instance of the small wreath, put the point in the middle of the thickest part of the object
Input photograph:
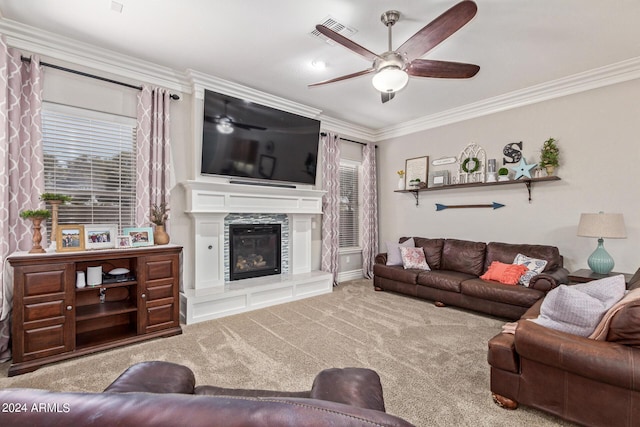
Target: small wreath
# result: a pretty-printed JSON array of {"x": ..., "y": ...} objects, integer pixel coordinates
[{"x": 476, "y": 164}]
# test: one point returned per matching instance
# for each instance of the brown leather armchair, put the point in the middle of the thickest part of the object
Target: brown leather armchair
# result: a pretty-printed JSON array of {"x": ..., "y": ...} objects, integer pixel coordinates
[{"x": 164, "y": 394}]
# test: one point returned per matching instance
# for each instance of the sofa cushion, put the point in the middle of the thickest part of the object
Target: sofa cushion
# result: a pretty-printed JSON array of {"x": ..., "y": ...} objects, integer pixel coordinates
[
  {"x": 506, "y": 252},
  {"x": 577, "y": 309},
  {"x": 625, "y": 325},
  {"x": 463, "y": 256},
  {"x": 492, "y": 291},
  {"x": 443, "y": 279},
  {"x": 413, "y": 258},
  {"x": 393, "y": 251},
  {"x": 396, "y": 272},
  {"x": 534, "y": 266},
  {"x": 432, "y": 250},
  {"x": 508, "y": 274}
]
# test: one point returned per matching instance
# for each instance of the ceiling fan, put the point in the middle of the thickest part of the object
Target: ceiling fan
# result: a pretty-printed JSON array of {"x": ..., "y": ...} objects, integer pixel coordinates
[
  {"x": 226, "y": 125},
  {"x": 393, "y": 68}
]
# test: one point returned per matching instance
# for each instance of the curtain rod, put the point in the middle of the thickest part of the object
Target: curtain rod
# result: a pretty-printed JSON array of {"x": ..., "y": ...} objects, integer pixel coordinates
[
  {"x": 348, "y": 140},
  {"x": 92, "y": 76}
]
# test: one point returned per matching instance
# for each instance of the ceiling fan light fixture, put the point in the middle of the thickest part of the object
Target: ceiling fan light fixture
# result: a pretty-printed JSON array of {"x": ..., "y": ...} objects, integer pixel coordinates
[
  {"x": 390, "y": 79},
  {"x": 224, "y": 126}
]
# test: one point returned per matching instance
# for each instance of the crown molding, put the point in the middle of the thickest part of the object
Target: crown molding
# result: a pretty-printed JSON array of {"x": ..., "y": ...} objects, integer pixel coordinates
[
  {"x": 55, "y": 46},
  {"x": 346, "y": 129},
  {"x": 599, "y": 77}
]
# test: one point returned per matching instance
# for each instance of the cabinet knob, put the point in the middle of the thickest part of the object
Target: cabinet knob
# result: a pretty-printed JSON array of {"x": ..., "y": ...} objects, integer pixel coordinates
[
  {"x": 143, "y": 296},
  {"x": 69, "y": 308},
  {"x": 210, "y": 247}
]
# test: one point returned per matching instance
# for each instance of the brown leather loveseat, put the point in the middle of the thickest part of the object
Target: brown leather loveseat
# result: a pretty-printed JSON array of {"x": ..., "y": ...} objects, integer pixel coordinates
[
  {"x": 587, "y": 381},
  {"x": 164, "y": 394},
  {"x": 454, "y": 276}
]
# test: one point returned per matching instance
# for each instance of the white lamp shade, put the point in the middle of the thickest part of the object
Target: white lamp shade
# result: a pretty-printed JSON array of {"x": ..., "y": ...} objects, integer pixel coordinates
[
  {"x": 390, "y": 79},
  {"x": 224, "y": 126},
  {"x": 605, "y": 225}
]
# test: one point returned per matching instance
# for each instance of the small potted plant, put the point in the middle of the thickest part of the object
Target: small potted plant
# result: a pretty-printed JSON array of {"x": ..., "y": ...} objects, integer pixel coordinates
[
  {"x": 158, "y": 216},
  {"x": 503, "y": 174},
  {"x": 400, "y": 179},
  {"x": 36, "y": 217},
  {"x": 549, "y": 156}
]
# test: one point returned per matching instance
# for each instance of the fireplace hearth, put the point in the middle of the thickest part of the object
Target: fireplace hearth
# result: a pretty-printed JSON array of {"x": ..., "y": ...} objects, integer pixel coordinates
[{"x": 254, "y": 250}]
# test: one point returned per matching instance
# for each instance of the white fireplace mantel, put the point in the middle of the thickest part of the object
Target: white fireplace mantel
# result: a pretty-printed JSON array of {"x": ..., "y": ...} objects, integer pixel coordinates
[{"x": 208, "y": 203}]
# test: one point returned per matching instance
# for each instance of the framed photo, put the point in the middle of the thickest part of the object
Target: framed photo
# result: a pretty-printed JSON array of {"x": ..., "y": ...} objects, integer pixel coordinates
[
  {"x": 440, "y": 178},
  {"x": 69, "y": 238},
  {"x": 140, "y": 236},
  {"x": 416, "y": 168},
  {"x": 123, "y": 242},
  {"x": 100, "y": 236}
]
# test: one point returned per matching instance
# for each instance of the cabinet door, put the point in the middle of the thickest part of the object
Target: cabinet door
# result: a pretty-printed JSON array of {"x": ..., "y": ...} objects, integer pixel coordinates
[
  {"x": 158, "y": 279},
  {"x": 43, "y": 316}
]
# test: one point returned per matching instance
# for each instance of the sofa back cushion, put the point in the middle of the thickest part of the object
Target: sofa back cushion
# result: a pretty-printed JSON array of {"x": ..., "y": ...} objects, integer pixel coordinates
[
  {"x": 625, "y": 325},
  {"x": 432, "y": 250},
  {"x": 463, "y": 256},
  {"x": 507, "y": 252}
]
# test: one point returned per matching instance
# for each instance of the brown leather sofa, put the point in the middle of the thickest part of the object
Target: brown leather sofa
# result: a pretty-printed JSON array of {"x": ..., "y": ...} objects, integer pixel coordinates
[
  {"x": 454, "y": 276},
  {"x": 593, "y": 383},
  {"x": 164, "y": 394}
]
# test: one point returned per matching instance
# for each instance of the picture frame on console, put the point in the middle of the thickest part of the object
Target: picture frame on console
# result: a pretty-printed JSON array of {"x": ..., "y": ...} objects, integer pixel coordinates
[
  {"x": 100, "y": 236},
  {"x": 123, "y": 241},
  {"x": 140, "y": 236},
  {"x": 70, "y": 238}
]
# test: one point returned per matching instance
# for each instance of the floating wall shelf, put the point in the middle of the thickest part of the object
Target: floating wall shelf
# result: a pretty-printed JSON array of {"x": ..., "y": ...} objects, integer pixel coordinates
[{"x": 527, "y": 182}]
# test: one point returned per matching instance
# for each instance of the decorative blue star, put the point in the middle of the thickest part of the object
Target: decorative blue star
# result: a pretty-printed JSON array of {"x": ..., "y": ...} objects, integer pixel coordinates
[{"x": 523, "y": 169}]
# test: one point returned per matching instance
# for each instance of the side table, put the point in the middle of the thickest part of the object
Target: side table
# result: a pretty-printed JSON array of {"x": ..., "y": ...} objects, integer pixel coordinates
[{"x": 586, "y": 275}]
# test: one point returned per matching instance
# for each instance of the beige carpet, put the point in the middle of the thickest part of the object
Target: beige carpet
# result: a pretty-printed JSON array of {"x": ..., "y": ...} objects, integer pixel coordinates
[{"x": 432, "y": 361}]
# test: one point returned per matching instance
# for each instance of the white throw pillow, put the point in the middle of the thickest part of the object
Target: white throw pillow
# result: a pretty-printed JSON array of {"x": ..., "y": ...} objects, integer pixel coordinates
[
  {"x": 577, "y": 309},
  {"x": 414, "y": 258},
  {"x": 535, "y": 266},
  {"x": 393, "y": 251}
]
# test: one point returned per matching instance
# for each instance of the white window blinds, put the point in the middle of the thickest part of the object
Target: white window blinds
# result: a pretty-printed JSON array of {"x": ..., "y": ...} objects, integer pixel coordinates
[
  {"x": 349, "y": 234},
  {"x": 90, "y": 156}
]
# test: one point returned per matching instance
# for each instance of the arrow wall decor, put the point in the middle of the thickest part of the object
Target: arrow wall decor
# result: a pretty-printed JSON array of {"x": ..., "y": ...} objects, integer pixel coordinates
[{"x": 493, "y": 205}]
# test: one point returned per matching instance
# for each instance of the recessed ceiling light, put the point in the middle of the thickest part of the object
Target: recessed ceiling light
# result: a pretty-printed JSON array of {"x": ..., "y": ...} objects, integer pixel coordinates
[{"x": 116, "y": 7}]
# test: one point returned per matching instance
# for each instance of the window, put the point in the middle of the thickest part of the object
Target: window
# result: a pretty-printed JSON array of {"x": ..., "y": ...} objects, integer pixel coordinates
[
  {"x": 349, "y": 204},
  {"x": 90, "y": 156}
]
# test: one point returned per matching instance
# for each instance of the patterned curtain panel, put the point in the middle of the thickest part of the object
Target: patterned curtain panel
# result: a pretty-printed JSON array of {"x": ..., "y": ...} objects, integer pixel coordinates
[
  {"x": 21, "y": 164},
  {"x": 330, "y": 203},
  {"x": 369, "y": 210},
  {"x": 153, "y": 159}
]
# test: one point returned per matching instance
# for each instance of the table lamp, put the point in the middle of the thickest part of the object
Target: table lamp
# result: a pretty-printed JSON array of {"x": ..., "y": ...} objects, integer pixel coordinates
[{"x": 601, "y": 225}]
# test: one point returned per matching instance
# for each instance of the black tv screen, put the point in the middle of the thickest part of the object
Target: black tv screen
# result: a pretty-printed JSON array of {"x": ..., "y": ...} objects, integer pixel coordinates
[{"x": 249, "y": 140}]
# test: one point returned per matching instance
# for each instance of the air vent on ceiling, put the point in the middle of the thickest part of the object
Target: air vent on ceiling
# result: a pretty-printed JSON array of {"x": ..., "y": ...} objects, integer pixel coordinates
[{"x": 336, "y": 26}]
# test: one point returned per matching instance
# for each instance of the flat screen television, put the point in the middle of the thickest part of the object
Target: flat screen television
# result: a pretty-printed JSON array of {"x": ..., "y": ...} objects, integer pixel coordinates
[{"x": 247, "y": 140}]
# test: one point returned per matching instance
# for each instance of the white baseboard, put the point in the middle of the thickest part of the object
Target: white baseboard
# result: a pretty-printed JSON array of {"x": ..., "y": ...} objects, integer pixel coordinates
[{"x": 343, "y": 276}]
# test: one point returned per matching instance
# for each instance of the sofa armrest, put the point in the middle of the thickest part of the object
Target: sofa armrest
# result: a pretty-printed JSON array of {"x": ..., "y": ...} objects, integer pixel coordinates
[
  {"x": 154, "y": 377},
  {"x": 381, "y": 258},
  {"x": 550, "y": 279},
  {"x": 603, "y": 361},
  {"x": 359, "y": 387}
]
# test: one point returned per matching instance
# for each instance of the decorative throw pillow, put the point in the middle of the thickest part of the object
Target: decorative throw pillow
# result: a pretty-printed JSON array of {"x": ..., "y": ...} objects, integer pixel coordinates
[
  {"x": 414, "y": 258},
  {"x": 393, "y": 251},
  {"x": 577, "y": 309},
  {"x": 509, "y": 274},
  {"x": 535, "y": 267},
  {"x": 623, "y": 319}
]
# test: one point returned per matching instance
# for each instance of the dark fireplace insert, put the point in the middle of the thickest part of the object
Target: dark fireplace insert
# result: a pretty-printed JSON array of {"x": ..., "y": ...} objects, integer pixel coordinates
[{"x": 254, "y": 250}]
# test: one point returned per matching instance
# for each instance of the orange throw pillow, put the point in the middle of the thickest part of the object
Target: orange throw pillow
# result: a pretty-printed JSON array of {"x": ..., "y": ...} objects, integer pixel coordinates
[{"x": 509, "y": 274}]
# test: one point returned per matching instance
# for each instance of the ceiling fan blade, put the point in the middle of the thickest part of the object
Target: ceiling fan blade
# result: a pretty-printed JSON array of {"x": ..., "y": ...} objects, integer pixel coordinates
[
  {"x": 349, "y": 44},
  {"x": 439, "y": 29},
  {"x": 248, "y": 127},
  {"x": 441, "y": 69},
  {"x": 348, "y": 76},
  {"x": 387, "y": 96}
]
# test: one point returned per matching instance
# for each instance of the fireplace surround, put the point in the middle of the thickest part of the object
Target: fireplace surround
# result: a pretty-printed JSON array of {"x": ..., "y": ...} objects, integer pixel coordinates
[{"x": 210, "y": 293}]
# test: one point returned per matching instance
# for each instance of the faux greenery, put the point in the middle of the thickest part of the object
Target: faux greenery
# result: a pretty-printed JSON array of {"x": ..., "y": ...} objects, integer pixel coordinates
[
  {"x": 549, "y": 154},
  {"x": 37, "y": 213},
  {"x": 55, "y": 196},
  {"x": 159, "y": 213},
  {"x": 503, "y": 171},
  {"x": 476, "y": 164}
]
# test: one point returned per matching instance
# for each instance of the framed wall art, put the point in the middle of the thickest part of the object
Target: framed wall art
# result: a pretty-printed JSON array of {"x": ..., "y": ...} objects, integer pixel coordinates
[
  {"x": 100, "y": 236},
  {"x": 69, "y": 238},
  {"x": 416, "y": 169},
  {"x": 140, "y": 236}
]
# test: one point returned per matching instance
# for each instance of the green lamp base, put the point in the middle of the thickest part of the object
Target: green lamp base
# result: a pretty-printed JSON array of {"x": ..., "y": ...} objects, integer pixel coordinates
[{"x": 600, "y": 261}]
